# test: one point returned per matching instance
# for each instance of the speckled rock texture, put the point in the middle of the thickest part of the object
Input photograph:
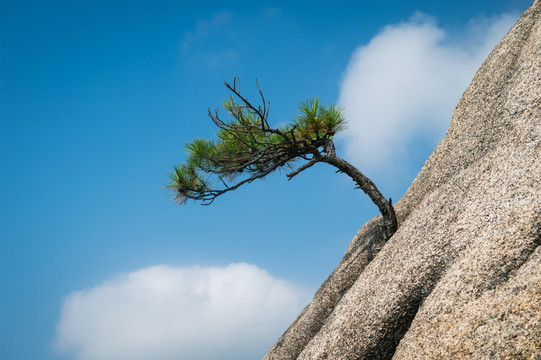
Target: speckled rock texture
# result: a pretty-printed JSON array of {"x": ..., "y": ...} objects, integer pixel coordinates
[{"x": 461, "y": 278}]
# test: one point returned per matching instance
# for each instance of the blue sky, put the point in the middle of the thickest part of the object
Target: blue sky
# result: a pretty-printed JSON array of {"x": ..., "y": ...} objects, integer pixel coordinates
[{"x": 98, "y": 98}]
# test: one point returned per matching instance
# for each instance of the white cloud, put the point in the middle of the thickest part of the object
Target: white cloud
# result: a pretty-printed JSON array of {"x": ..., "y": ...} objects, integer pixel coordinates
[
  {"x": 403, "y": 85},
  {"x": 168, "y": 313}
]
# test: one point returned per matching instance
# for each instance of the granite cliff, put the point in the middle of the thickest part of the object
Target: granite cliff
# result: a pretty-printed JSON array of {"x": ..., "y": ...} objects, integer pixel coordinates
[{"x": 461, "y": 278}]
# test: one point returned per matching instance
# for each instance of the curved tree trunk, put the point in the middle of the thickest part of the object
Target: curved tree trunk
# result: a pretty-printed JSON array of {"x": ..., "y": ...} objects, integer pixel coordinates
[{"x": 390, "y": 224}]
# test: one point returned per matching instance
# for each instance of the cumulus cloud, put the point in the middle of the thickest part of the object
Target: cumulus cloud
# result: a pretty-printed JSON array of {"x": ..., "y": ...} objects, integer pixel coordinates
[
  {"x": 169, "y": 313},
  {"x": 402, "y": 86}
]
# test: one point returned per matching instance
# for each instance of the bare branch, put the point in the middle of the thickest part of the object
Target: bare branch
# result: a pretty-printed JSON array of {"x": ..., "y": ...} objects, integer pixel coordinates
[
  {"x": 244, "y": 100},
  {"x": 309, "y": 164},
  {"x": 207, "y": 197}
]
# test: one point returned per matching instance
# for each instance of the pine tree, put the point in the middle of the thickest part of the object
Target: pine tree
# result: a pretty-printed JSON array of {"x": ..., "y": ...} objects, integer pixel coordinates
[{"x": 247, "y": 148}]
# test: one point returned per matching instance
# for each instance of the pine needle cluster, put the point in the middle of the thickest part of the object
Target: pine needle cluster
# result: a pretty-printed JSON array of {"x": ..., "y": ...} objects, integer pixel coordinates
[{"x": 247, "y": 148}]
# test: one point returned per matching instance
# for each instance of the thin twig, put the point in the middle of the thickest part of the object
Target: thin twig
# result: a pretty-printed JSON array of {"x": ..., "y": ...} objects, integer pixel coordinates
[{"x": 309, "y": 164}]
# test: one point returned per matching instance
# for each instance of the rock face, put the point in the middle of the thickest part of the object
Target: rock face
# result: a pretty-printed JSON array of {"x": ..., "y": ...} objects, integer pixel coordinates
[{"x": 461, "y": 278}]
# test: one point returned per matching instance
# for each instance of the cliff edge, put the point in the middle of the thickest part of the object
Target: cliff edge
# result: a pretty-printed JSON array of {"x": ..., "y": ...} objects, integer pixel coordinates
[{"x": 461, "y": 278}]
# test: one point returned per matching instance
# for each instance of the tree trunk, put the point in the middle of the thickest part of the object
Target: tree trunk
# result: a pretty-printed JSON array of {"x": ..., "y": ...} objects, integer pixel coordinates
[{"x": 389, "y": 222}]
